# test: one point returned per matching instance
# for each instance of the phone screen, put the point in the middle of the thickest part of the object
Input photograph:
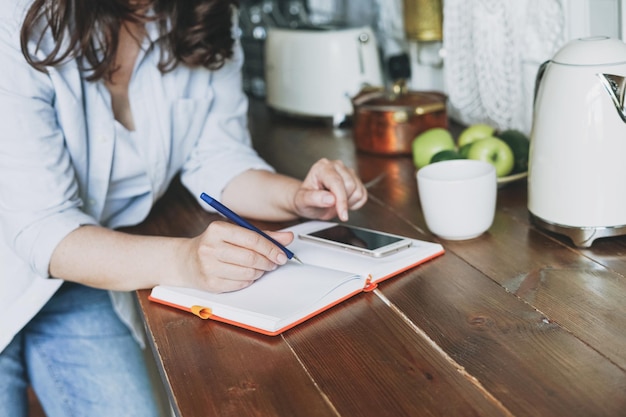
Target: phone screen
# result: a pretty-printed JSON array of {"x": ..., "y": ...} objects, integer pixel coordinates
[{"x": 356, "y": 237}]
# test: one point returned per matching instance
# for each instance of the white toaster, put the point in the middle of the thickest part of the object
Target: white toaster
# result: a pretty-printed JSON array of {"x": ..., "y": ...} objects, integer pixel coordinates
[{"x": 315, "y": 72}]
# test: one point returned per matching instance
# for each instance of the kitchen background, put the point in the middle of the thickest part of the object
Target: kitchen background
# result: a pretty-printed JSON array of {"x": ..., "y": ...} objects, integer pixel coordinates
[{"x": 309, "y": 57}]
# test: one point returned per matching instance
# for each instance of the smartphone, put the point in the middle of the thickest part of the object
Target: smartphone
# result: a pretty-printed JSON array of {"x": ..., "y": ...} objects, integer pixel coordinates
[{"x": 356, "y": 239}]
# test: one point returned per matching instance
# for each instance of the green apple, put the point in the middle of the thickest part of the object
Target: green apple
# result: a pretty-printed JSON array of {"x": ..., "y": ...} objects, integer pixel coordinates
[
  {"x": 446, "y": 155},
  {"x": 464, "y": 150},
  {"x": 520, "y": 145},
  {"x": 475, "y": 132},
  {"x": 428, "y": 143},
  {"x": 496, "y": 152}
]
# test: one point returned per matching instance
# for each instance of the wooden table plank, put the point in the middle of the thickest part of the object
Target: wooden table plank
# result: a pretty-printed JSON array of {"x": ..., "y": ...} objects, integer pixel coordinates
[
  {"x": 338, "y": 352},
  {"x": 514, "y": 350},
  {"x": 574, "y": 291},
  {"x": 243, "y": 373}
]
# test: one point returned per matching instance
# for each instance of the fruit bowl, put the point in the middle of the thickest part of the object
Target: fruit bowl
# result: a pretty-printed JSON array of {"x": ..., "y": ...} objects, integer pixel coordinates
[{"x": 502, "y": 181}]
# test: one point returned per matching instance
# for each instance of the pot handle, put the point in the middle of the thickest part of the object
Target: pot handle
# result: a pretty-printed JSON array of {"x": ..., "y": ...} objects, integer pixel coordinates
[{"x": 429, "y": 108}]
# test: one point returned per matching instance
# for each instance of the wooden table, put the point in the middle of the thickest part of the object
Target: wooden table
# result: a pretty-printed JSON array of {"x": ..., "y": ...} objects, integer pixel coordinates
[{"x": 517, "y": 322}]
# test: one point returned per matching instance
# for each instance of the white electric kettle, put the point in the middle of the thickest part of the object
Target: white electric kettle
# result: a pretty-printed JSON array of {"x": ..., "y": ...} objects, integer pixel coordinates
[{"x": 577, "y": 162}]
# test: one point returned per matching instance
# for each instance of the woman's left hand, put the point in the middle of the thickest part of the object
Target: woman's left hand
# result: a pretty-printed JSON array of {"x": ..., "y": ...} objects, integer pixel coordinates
[{"x": 330, "y": 189}]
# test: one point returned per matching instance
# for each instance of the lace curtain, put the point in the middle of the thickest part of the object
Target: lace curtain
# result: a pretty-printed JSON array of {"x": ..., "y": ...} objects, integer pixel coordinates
[{"x": 493, "y": 49}]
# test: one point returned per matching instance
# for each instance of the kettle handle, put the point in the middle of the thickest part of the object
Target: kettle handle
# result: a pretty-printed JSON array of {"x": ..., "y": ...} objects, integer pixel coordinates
[
  {"x": 615, "y": 85},
  {"x": 540, "y": 72}
]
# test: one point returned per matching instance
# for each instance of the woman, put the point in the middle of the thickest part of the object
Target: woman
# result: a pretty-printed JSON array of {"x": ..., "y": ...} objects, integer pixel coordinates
[{"x": 103, "y": 104}]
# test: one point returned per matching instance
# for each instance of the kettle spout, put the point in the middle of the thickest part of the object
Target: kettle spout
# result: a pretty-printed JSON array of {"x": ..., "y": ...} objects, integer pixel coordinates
[{"x": 615, "y": 85}]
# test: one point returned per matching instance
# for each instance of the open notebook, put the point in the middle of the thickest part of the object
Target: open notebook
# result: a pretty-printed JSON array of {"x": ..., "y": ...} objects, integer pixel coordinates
[{"x": 295, "y": 292}]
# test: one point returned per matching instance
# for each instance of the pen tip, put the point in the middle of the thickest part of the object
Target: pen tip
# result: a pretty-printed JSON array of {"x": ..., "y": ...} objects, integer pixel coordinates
[{"x": 295, "y": 258}]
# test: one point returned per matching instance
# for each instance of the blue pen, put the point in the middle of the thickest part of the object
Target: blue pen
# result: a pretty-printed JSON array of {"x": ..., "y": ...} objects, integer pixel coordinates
[{"x": 231, "y": 215}]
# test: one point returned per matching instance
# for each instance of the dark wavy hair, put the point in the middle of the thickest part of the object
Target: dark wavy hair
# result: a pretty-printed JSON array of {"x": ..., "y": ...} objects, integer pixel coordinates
[{"x": 192, "y": 32}]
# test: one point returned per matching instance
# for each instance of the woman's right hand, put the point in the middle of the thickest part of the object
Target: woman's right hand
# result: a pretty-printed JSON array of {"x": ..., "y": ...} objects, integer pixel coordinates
[{"x": 227, "y": 257}]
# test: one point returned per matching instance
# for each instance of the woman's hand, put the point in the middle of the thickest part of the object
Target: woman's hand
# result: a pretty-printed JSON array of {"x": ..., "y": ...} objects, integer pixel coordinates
[
  {"x": 227, "y": 257},
  {"x": 330, "y": 189}
]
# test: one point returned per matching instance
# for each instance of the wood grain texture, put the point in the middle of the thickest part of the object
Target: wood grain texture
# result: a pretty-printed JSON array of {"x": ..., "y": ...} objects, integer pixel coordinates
[
  {"x": 368, "y": 361},
  {"x": 215, "y": 369}
]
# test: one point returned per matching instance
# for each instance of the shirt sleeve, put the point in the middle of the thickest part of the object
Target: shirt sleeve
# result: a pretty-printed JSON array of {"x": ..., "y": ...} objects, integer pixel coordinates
[{"x": 39, "y": 197}]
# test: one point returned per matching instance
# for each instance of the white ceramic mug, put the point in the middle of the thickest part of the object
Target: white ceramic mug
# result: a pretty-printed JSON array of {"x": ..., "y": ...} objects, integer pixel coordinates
[{"x": 458, "y": 197}]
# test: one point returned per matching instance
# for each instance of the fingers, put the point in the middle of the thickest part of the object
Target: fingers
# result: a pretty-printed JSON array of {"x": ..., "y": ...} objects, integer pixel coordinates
[
  {"x": 243, "y": 247},
  {"x": 356, "y": 191},
  {"x": 230, "y": 257},
  {"x": 332, "y": 184}
]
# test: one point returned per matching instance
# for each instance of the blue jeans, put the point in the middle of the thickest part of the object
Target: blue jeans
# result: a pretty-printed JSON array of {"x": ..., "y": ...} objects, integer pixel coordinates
[{"x": 80, "y": 359}]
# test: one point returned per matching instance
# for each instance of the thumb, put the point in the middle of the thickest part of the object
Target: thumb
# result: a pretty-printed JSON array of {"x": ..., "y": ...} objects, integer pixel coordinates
[{"x": 319, "y": 198}]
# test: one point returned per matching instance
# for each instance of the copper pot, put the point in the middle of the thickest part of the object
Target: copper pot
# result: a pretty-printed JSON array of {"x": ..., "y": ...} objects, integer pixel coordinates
[{"x": 387, "y": 122}]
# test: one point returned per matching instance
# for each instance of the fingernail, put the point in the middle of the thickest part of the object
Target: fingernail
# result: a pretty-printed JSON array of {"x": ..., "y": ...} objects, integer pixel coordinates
[{"x": 281, "y": 258}]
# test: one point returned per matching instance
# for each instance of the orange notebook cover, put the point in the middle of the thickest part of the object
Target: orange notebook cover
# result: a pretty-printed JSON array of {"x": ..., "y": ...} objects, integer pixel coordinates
[{"x": 293, "y": 293}]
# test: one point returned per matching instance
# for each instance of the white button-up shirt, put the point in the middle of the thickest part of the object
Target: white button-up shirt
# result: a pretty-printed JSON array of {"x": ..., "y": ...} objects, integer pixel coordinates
[{"x": 57, "y": 149}]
